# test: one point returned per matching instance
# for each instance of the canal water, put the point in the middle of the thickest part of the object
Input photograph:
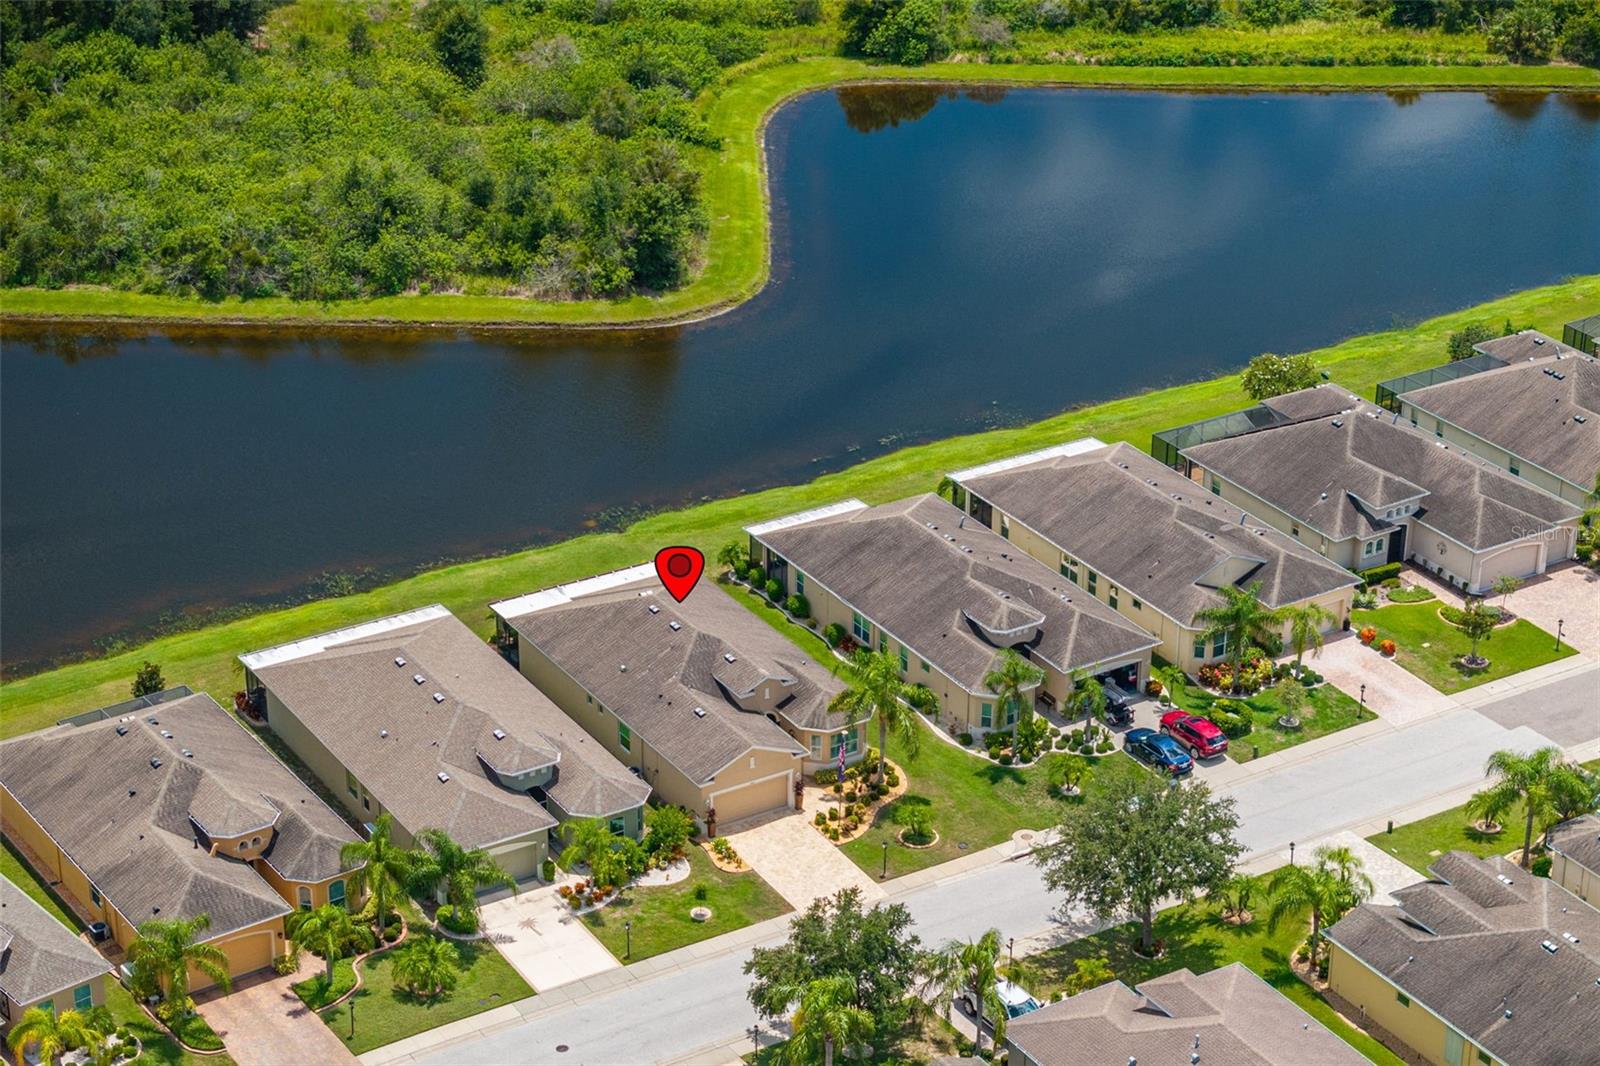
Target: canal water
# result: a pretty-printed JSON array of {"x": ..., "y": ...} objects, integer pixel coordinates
[{"x": 944, "y": 261}]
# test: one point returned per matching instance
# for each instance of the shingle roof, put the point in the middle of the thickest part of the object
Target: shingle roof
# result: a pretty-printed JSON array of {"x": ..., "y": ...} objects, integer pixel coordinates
[
  {"x": 1469, "y": 945},
  {"x": 1526, "y": 408},
  {"x": 38, "y": 955},
  {"x": 1228, "y": 1015},
  {"x": 952, "y": 591},
  {"x": 1578, "y": 839},
  {"x": 140, "y": 830},
  {"x": 1154, "y": 532},
  {"x": 592, "y": 635},
  {"x": 360, "y": 698},
  {"x": 1338, "y": 474}
]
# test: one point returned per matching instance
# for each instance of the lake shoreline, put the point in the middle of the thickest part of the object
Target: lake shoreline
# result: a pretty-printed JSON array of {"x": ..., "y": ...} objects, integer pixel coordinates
[{"x": 710, "y": 295}]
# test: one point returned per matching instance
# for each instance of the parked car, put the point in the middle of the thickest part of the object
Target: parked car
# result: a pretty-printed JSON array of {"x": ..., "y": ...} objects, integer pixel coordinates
[
  {"x": 1015, "y": 999},
  {"x": 1201, "y": 737},
  {"x": 1158, "y": 750}
]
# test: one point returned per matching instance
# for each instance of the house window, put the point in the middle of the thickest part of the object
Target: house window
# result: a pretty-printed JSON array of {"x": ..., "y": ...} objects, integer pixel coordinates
[
  {"x": 624, "y": 736},
  {"x": 816, "y": 745},
  {"x": 1069, "y": 568},
  {"x": 1219, "y": 644},
  {"x": 1216, "y": 487},
  {"x": 847, "y": 740},
  {"x": 924, "y": 665},
  {"x": 1483, "y": 1057},
  {"x": 1011, "y": 712},
  {"x": 1093, "y": 577},
  {"x": 1005, "y": 527},
  {"x": 1372, "y": 547},
  {"x": 336, "y": 894},
  {"x": 799, "y": 583},
  {"x": 905, "y": 659},
  {"x": 883, "y": 641},
  {"x": 1200, "y": 646},
  {"x": 1413, "y": 418},
  {"x": 985, "y": 715},
  {"x": 82, "y": 998},
  {"x": 350, "y": 785},
  {"x": 1111, "y": 595},
  {"x": 1294, "y": 529},
  {"x": 1438, "y": 428},
  {"x": 861, "y": 628},
  {"x": 1136, "y": 604},
  {"x": 94, "y": 895},
  {"x": 617, "y": 826},
  {"x": 1403, "y": 999},
  {"x": 305, "y": 898},
  {"x": 1516, "y": 471}
]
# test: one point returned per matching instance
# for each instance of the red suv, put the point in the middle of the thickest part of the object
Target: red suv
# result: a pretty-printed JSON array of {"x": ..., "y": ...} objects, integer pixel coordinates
[{"x": 1201, "y": 737}]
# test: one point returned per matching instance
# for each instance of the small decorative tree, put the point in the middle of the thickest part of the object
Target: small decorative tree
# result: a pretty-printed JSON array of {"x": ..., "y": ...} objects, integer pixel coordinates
[
  {"x": 733, "y": 557},
  {"x": 1476, "y": 623},
  {"x": 1064, "y": 772},
  {"x": 428, "y": 967},
  {"x": 1504, "y": 586},
  {"x": 148, "y": 680},
  {"x": 1291, "y": 697},
  {"x": 1089, "y": 973}
]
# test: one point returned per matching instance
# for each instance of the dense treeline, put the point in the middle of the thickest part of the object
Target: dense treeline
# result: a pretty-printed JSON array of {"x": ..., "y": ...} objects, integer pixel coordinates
[
  {"x": 331, "y": 149},
  {"x": 337, "y": 150}
]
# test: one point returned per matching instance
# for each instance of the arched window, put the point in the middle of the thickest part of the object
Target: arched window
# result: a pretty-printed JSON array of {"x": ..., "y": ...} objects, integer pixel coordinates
[
  {"x": 305, "y": 898},
  {"x": 336, "y": 893},
  {"x": 243, "y": 845}
]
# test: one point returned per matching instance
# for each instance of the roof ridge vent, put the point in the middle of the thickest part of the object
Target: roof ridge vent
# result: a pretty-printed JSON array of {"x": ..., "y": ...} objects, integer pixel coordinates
[
  {"x": 155, "y": 762},
  {"x": 1338, "y": 423},
  {"x": 655, "y": 608},
  {"x": 699, "y": 712},
  {"x": 418, "y": 678},
  {"x": 674, "y": 625},
  {"x": 443, "y": 777},
  {"x": 438, "y": 697},
  {"x": 399, "y": 660},
  {"x": 187, "y": 754},
  {"x": 729, "y": 657},
  {"x": 499, "y": 734},
  {"x": 167, "y": 733}
]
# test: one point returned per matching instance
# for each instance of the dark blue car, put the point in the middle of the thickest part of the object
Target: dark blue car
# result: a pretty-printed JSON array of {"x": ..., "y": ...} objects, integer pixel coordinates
[{"x": 1158, "y": 750}]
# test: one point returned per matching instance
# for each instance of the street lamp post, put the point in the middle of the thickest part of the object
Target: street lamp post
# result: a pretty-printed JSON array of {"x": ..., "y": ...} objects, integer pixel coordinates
[
  {"x": 352, "y": 1018},
  {"x": 627, "y": 928},
  {"x": 1363, "y": 695},
  {"x": 1559, "y": 623},
  {"x": 1011, "y": 951},
  {"x": 883, "y": 874},
  {"x": 1291, "y": 853}
]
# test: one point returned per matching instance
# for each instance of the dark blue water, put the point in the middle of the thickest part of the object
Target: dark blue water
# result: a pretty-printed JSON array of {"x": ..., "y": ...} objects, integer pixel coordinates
[{"x": 942, "y": 263}]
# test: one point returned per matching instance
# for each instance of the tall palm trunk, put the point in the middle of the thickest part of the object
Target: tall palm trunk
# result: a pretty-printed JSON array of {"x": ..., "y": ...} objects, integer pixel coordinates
[
  {"x": 1316, "y": 931},
  {"x": 1527, "y": 834},
  {"x": 883, "y": 747},
  {"x": 977, "y": 1040},
  {"x": 827, "y": 1051}
]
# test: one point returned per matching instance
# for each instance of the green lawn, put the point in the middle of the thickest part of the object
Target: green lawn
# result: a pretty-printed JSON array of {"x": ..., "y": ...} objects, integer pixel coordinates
[
  {"x": 316, "y": 991},
  {"x": 158, "y": 1047},
  {"x": 1512, "y": 649},
  {"x": 1198, "y": 939},
  {"x": 1418, "y": 843},
  {"x": 205, "y": 658},
  {"x": 385, "y": 1014},
  {"x": 1327, "y": 710},
  {"x": 660, "y": 916}
]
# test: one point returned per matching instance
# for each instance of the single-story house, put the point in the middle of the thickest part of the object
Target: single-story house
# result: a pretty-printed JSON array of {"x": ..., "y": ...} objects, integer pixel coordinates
[
  {"x": 1575, "y": 857},
  {"x": 1228, "y": 1015},
  {"x": 1537, "y": 417},
  {"x": 1142, "y": 539},
  {"x": 714, "y": 708},
  {"x": 1582, "y": 334},
  {"x": 1364, "y": 487},
  {"x": 174, "y": 812},
  {"x": 416, "y": 715},
  {"x": 1484, "y": 963},
  {"x": 42, "y": 962},
  {"x": 941, "y": 590}
]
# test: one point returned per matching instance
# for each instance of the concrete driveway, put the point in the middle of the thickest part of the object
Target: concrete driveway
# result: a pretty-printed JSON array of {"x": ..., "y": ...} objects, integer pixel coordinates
[
  {"x": 540, "y": 936},
  {"x": 1393, "y": 693},
  {"x": 797, "y": 861},
  {"x": 1569, "y": 594},
  {"x": 264, "y": 1023}
]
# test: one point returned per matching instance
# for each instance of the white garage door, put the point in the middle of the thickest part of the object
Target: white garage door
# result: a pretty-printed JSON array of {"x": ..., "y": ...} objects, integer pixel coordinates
[{"x": 1519, "y": 561}]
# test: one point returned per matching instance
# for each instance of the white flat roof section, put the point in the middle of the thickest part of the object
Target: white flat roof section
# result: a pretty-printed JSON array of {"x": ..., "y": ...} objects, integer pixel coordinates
[
  {"x": 803, "y": 517},
  {"x": 1059, "y": 451},
  {"x": 518, "y": 606},
  {"x": 299, "y": 649}
]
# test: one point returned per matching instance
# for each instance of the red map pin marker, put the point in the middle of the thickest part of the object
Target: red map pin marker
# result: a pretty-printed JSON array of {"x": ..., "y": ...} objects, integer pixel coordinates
[{"x": 679, "y": 569}]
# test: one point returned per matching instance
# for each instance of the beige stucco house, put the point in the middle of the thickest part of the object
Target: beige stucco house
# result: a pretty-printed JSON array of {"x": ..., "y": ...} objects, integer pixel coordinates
[
  {"x": 1143, "y": 540},
  {"x": 711, "y": 706},
  {"x": 42, "y": 962},
  {"x": 1483, "y": 964},
  {"x": 1363, "y": 487},
  {"x": 417, "y": 716},
  {"x": 1575, "y": 857},
  {"x": 946, "y": 594},
  {"x": 172, "y": 812}
]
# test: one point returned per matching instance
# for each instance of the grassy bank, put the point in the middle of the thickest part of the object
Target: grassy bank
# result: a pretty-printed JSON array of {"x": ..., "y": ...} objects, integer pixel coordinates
[
  {"x": 205, "y": 658},
  {"x": 737, "y": 246}
]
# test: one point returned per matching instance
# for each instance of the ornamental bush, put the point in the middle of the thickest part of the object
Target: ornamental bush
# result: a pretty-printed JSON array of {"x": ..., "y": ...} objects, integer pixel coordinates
[
  {"x": 1377, "y": 575},
  {"x": 834, "y": 634},
  {"x": 797, "y": 605},
  {"x": 773, "y": 590},
  {"x": 756, "y": 577},
  {"x": 1368, "y": 634},
  {"x": 1386, "y": 646},
  {"x": 461, "y": 922}
]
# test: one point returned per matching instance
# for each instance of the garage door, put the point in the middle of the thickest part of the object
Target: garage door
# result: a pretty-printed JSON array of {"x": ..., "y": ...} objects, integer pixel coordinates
[
  {"x": 246, "y": 954},
  {"x": 521, "y": 861},
  {"x": 1517, "y": 562},
  {"x": 756, "y": 798}
]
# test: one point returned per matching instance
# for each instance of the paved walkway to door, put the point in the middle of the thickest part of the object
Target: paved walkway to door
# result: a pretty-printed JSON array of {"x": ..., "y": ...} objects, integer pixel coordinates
[
  {"x": 796, "y": 860},
  {"x": 264, "y": 1023}
]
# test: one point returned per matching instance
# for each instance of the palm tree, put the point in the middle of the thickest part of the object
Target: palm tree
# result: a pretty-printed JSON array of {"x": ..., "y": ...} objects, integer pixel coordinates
[
  {"x": 1089, "y": 696},
  {"x": 879, "y": 691},
  {"x": 587, "y": 839},
  {"x": 1504, "y": 586},
  {"x": 168, "y": 949},
  {"x": 1236, "y": 896},
  {"x": 1306, "y": 623},
  {"x": 826, "y": 1018},
  {"x": 1541, "y": 781},
  {"x": 458, "y": 873},
  {"x": 969, "y": 967},
  {"x": 326, "y": 930},
  {"x": 1063, "y": 772},
  {"x": 1330, "y": 885},
  {"x": 1089, "y": 973},
  {"x": 50, "y": 1034},
  {"x": 1011, "y": 680},
  {"x": 947, "y": 488},
  {"x": 1242, "y": 620},
  {"x": 428, "y": 967},
  {"x": 380, "y": 865}
]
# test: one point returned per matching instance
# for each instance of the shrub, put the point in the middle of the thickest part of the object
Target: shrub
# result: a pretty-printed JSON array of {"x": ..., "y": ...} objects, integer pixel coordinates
[
  {"x": 1460, "y": 344},
  {"x": 834, "y": 634},
  {"x": 833, "y": 814},
  {"x": 1541, "y": 866},
  {"x": 825, "y": 777},
  {"x": 1391, "y": 582},
  {"x": 724, "y": 850},
  {"x": 1153, "y": 687},
  {"x": 1234, "y": 720},
  {"x": 1273, "y": 375},
  {"x": 1526, "y": 31},
  {"x": 1386, "y": 646},
  {"x": 773, "y": 590},
  {"x": 821, "y": 819},
  {"x": 922, "y": 698},
  {"x": 756, "y": 577},
  {"x": 287, "y": 963},
  {"x": 701, "y": 892},
  {"x": 392, "y": 930},
  {"x": 1376, "y": 575},
  {"x": 892, "y": 778},
  {"x": 798, "y": 606},
  {"x": 461, "y": 922},
  {"x": 1005, "y": 758},
  {"x": 1368, "y": 634},
  {"x": 1580, "y": 39},
  {"x": 966, "y": 740},
  {"x": 833, "y": 832},
  {"x": 1062, "y": 742}
]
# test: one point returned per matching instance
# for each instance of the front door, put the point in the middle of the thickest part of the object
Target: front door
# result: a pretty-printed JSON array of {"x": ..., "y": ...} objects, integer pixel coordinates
[{"x": 1397, "y": 545}]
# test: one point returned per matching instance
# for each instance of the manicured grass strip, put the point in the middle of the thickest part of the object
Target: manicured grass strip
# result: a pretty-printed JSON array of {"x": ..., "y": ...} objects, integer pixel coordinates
[
  {"x": 1419, "y": 843},
  {"x": 1199, "y": 940},
  {"x": 660, "y": 916},
  {"x": 1327, "y": 710},
  {"x": 385, "y": 1014},
  {"x": 197, "y": 1033},
  {"x": 205, "y": 658},
  {"x": 16, "y": 870},
  {"x": 734, "y": 187},
  {"x": 317, "y": 991},
  {"x": 1512, "y": 649}
]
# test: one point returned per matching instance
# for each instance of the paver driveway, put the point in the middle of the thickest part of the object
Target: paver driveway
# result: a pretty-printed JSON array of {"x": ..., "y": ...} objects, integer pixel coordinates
[
  {"x": 264, "y": 1023},
  {"x": 1393, "y": 693},
  {"x": 797, "y": 861}
]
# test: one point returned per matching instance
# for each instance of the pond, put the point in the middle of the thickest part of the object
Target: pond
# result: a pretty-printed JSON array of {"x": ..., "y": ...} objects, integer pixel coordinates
[{"x": 944, "y": 261}]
